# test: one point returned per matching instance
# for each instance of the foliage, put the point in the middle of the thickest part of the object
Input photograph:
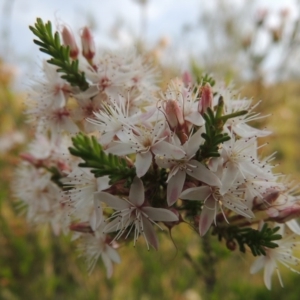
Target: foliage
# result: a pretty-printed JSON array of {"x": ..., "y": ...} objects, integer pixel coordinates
[
  {"x": 51, "y": 44},
  {"x": 101, "y": 164}
]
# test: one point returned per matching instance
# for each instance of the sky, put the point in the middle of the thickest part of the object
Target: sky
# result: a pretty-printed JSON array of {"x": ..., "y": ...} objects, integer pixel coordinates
[{"x": 164, "y": 18}]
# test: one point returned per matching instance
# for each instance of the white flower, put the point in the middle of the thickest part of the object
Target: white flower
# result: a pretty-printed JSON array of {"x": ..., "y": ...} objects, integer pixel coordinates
[
  {"x": 186, "y": 165},
  {"x": 282, "y": 254},
  {"x": 81, "y": 195},
  {"x": 239, "y": 124},
  {"x": 135, "y": 212},
  {"x": 186, "y": 100},
  {"x": 144, "y": 141},
  {"x": 95, "y": 245},
  {"x": 213, "y": 201}
]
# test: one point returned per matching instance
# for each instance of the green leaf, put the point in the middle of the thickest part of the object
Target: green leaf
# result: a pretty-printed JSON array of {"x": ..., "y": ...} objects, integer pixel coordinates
[
  {"x": 101, "y": 164},
  {"x": 60, "y": 54}
]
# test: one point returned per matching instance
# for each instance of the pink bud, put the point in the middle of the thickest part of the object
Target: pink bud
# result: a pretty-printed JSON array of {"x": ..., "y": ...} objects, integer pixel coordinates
[
  {"x": 88, "y": 44},
  {"x": 187, "y": 78},
  {"x": 268, "y": 200},
  {"x": 69, "y": 40},
  {"x": 206, "y": 99},
  {"x": 283, "y": 215},
  {"x": 81, "y": 227},
  {"x": 174, "y": 114}
]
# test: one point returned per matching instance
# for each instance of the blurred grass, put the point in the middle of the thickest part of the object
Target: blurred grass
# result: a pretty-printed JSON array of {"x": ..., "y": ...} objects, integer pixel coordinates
[{"x": 34, "y": 264}]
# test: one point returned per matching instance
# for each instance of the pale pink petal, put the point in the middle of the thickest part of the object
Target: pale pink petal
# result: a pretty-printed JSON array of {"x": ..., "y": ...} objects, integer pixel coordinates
[
  {"x": 197, "y": 193},
  {"x": 103, "y": 183},
  {"x": 142, "y": 163},
  {"x": 230, "y": 174},
  {"x": 114, "y": 225},
  {"x": 150, "y": 234},
  {"x": 175, "y": 186},
  {"x": 97, "y": 215},
  {"x": 269, "y": 269},
  {"x": 159, "y": 214},
  {"x": 246, "y": 131},
  {"x": 108, "y": 264},
  {"x": 258, "y": 264},
  {"x": 113, "y": 254},
  {"x": 193, "y": 144},
  {"x": 163, "y": 162},
  {"x": 166, "y": 148},
  {"x": 207, "y": 215},
  {"x": 107, "y": 138},
  {"x": 136, "y": 193},
  {"x": 195, "y": 118},
  {"x": 294, "y": 226},
  {"x": 112, "y": 201},
  {"x": 203, "y": 174},
  {"x": 120, "y": 148}
]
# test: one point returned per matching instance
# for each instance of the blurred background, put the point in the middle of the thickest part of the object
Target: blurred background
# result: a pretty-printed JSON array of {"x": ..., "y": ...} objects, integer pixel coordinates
[{"x": 253, "y": 44}]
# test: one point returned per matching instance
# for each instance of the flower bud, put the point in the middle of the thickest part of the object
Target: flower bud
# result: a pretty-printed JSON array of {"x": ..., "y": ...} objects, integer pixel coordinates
[
  {"x": 174, "y": 114},
  {"x": 206, "y": 99},
  {"x": 269, "y": 199},
  {"x": 88, "y": 44},
  {"x": 69, "y": 40},
  {"x": 83, "y": 227},
  {"x": 285, "y": 214},
  {"x": 231, "y": 245},
  {"x": 186, "y": 78}
]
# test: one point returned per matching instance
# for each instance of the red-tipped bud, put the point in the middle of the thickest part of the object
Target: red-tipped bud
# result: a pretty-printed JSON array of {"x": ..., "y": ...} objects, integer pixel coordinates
[
  {"x": 174, "y": 114},
  {"x": 231, "y": 245},
  {"x": 88, "y": 44},
  {"x": 81, "y": 227},
  {"x": 268, "y": 200},
  {"x": 187, "y": 78},
  {"x": 206, "y": 99},
  {"x": 285, "y": 214},
  {"x": 69, "y": 40}
]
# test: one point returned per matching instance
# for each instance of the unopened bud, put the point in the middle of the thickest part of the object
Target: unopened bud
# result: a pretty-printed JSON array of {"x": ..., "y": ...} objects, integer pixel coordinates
[
  {"x": 269, "y": 199},
  {"x": 231, "y": 245},
  {"x": 88, "y": 44},
  {"x": 83, "y": 227},
  {"x": 69, "y": 40},
  {"x": 206, "y": 99},
  {"x": 283, "y": 215},
  {"x": 187, "y": 78},
  {"x": 174, "y": 114}
]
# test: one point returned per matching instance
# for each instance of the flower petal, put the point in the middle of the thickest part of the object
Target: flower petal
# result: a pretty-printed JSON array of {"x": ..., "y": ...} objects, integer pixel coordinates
[
  {"x": 207, "y": 215},
  {"x": 108, "y": 264},
  {"x": 159, "y": 214},
  {"x": 258, "y": 264},
  {"x": 112, "y": 201},
  {"x": 194, "y": 142},
  {"x": 197, "y": 193},
  {"x": 113, "y": 254},
  {"x": 142, "y": 163},
  {"x": 97, "y": 215},
  {"x": 150, "y": 234},
  {"x": 230, "y": 174},
  {"x": 136, "y": 194},
  {"x": 175, "y": 186},
  {"x": 270, "y": 266},
  {"x": 120, "y": 148},
  {"x": 203, "y": 174},
  {"x": 170, "y": 150}
]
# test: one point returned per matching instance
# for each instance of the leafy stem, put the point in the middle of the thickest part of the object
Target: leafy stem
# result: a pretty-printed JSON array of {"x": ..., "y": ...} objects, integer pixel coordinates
[{"x": 51, "y": 45}]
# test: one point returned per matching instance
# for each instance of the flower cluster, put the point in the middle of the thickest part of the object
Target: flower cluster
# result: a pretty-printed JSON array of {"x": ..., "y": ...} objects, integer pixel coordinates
[{"x": 116, "y": 158}]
